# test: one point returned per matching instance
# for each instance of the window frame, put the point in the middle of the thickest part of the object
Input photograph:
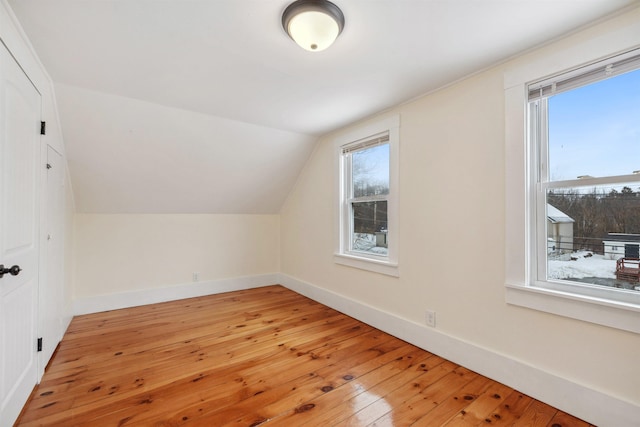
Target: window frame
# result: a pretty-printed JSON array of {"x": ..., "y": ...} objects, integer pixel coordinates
[
  {"x": 524, "y": 204},
  {"x": 343, "y": 253}
]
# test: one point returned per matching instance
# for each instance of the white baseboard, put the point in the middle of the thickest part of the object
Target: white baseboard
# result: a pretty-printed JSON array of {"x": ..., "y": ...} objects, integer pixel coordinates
[
  {"x": 107, "y": 302},
  {"x": 591, "y": 405}
]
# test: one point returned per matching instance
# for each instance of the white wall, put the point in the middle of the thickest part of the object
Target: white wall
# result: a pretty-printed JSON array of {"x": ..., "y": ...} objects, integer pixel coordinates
[
  {"x": 124, "y": 253},
  {"x": 452, "y": 181},
  {"x": 130, "y": 156}
]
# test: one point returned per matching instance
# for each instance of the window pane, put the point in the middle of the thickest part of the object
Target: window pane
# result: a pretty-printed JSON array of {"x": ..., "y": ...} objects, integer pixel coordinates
[
  {"x": 370, "y": 171},
  {"x": 594, "y": 130},
  {"x": 370, "y": 227},
  {"x": 593, "y": 235}
]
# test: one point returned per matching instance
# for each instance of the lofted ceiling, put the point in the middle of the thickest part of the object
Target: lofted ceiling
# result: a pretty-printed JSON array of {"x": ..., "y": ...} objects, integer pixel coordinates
[{"x": 206, "y": 106}]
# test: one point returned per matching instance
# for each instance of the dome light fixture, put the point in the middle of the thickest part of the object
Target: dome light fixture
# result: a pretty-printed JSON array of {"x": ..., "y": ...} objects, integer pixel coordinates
[{"x": 313, "y": 24}]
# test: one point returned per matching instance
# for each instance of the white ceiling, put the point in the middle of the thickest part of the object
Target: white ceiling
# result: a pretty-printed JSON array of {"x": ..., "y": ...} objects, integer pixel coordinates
[{"x": 141, "y": 83}]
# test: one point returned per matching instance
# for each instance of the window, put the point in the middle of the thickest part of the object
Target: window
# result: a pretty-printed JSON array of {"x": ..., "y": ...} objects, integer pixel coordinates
[
  {"x": 585, "y": 139},
  {"x": 580, "y": 215},
  {"x": 366, "y": 178},
  {"x": 367, "y": 206}
]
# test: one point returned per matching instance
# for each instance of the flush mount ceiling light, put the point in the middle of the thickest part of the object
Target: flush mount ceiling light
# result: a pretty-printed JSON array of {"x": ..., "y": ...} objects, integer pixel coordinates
[{"x": 313, "y": 24}]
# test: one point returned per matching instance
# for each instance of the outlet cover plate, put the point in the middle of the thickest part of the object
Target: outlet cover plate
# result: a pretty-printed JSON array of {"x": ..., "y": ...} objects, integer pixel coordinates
[{"x": 431, "y": 318}]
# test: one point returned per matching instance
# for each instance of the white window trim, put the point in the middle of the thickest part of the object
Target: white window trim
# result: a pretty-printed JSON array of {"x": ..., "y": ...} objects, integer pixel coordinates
[
  {"x": 384, "y": 265},
  {"x": 520, "y": 289}
]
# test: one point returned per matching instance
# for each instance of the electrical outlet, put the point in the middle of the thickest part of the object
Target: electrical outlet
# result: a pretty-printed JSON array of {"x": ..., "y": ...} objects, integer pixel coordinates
[
  {"x": 431, "y": 318},
  {"x": 196, "y": 276}
]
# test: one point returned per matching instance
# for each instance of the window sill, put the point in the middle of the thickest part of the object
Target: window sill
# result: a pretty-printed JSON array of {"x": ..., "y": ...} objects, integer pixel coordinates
[
  {"x": 590, "y": 309},
  {"x": 376, "y": 266}
]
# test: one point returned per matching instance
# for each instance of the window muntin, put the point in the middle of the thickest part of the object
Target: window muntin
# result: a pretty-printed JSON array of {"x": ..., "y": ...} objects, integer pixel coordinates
[{"x": 584, "y": 136}]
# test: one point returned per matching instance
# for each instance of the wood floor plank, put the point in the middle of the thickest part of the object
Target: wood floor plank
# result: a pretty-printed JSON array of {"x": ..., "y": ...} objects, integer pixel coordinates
[
  {"x": 127, "y": 339},
  {"x": 388, "y": 408},
  {"x": 510, "y": 410},
  {"x": 564, "y": 419},
  {"x": 451, "y": 406},
  {"x": 203, "y": 347},
  {"x": 261, "y": 357},
  {"x": 360, "y": 389},
  {"x": 196, "y": 369},
  {"x": 410, "y": 410},
  {"x": 333, "y": 376},
  {"x": 537, "y": 414},
  {"x": 479, "y": 409},
  {"x": 333, "y": 406},
  {"x": 375, "y": 401},
  {"x": 292, "y": 372},
  {"x": 297, "y": 394}
]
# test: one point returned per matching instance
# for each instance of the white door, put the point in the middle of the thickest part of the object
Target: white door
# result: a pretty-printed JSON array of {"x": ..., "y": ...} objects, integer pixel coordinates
[
  {"x": 19, "y": 224},
  {"x": 51, "y": 285}
]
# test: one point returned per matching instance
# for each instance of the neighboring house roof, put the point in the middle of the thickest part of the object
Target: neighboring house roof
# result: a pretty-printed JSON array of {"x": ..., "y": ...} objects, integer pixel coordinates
[
  {"x": 555, "y": 215},
  {"x": 622, "y": 237}
]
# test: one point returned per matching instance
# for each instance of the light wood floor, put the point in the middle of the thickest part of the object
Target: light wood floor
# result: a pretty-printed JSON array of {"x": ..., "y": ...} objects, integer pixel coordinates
[{"x": 265, "y": 357}]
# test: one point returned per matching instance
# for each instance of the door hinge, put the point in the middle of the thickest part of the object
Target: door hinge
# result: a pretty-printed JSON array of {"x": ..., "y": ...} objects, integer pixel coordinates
[
  {"x": 43, "y": 128},
  {"x": 39, "y": 344},
  {"x": 49, "y": 166}
]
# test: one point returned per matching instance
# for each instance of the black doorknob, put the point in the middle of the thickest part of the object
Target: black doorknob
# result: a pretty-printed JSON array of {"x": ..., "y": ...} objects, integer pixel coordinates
[{"x": 14, "y": 271}]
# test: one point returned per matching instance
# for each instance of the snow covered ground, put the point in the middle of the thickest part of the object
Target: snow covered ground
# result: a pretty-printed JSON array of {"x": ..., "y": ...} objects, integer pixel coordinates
[
  {"x": 584, "y": 266},
  {"x": 589, "y": 268},
  {"x": 367, "y": 243}
]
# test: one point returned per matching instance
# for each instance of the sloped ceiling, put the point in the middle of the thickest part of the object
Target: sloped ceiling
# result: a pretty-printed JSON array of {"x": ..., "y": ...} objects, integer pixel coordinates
[{"x": 207, "y": 105}]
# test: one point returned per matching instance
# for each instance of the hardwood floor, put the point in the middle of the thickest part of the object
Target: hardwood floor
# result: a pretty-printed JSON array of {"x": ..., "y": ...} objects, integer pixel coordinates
[{"x": 261, "y": 357}]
